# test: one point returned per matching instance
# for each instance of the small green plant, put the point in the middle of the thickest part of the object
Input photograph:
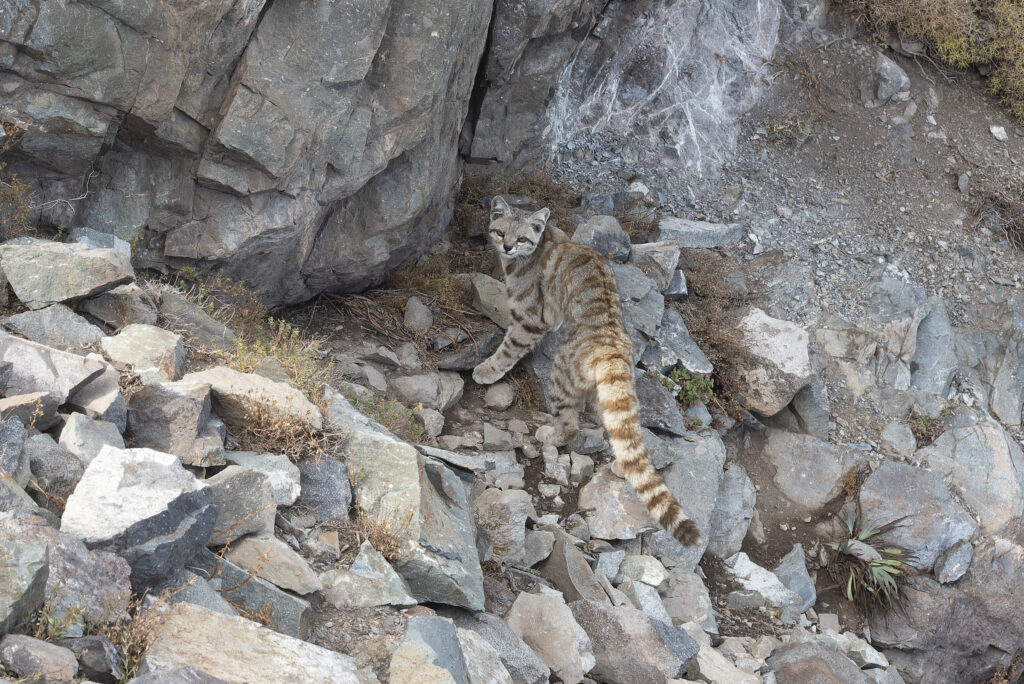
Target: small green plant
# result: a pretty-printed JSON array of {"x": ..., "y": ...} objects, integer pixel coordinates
[
  {"x": 188, "y": 273},
  {"x": 867, "y": 570},
  {"x": 694, "y": 388},
  {"x": 51, "y": 623},
  {"x": 925, "y": 428},
  {"x": 394, "y": 416}
]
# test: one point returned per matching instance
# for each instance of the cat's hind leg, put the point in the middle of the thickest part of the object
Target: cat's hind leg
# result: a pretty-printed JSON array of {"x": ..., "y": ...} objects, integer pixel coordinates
[{"x": 568, "y": 394}]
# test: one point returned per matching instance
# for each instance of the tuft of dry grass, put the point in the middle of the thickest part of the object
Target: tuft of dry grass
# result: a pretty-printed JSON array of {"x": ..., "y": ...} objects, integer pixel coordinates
[
  {"x": 386, "y": 532},
  {"x": 133, "y": 634},
  {"x": 271, "y": 431},
  {"x": 1000, "y": 201},
  {"x": 711, "y": 313},
  {"x": 527, "y": 389},
  {"x": 962, "y": 34}
]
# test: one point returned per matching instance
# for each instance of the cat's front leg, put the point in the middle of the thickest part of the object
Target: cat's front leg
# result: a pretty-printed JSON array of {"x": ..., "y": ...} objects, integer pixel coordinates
[
  {"x": 487, "y": 373},
  {"x": 518, "y": 341}
]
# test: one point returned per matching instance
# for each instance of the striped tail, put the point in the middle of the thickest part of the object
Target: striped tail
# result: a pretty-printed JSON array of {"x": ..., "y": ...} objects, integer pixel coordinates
[{"x": 614, "y": 378}]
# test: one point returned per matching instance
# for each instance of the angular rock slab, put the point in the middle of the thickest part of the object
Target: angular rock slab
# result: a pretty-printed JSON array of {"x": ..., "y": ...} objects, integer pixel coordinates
[
  {"x": 101, "y": 398},
  {"x": 244, "y": 502},
  {"x": 244, "y": 650},
  {"x": 792, "y": 572},
  {"x": 673, "y": 345},
  {"x": 325, "y": 487},
  {"x": 503, "y": 514},
  {"x": 33, "y": 658},
  {"x": 809, "y": 472},
  {"x": 567, "y": 570},
  {"x": 122, "y": 306},
  {"x": 518, "y": 658},
  {"x": 232, "y": 391},
  {"x": 143, "y": 505},
  {"x": 775, "y": 364},
  {"x": 987, "y": 467},
  {"x": 693, "y": 478},
  {"x": 430, "y": 651},
  {"x": 154, "y": 354},
  {"x": 932, "y": 520},
  {"x": 369, "y": 581},
  {"x": 483, "y": 663},
  {"x": 282, "y": 475},
  {"x": 948, "y": 633},
  {"x": 289, "y": 614},
  {"x": 631, "y": 647},
  {"x": 173, "y": 417},
  {"x": 85, "y": 437},
  {"x": 429, "y": 503},
  {"x": 45, "y": 273},
  {"x": 546, "y": 624},
  {"x": 82, "y": 585},
  {"x": 814, "y": 661},
  {"x": 753, "y": 577},
  {"x": 689, "y": 233},
  {"x": 55, "y": 326},
  {"x": 24, "y": 568},
  {"x": 273, "y": 560},
  {"x": 38, "y": 368},
  {"x": 734, "y": 508}
]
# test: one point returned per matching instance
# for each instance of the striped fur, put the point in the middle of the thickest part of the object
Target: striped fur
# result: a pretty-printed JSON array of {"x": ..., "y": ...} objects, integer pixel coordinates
[{"x": 552, "y": 281}]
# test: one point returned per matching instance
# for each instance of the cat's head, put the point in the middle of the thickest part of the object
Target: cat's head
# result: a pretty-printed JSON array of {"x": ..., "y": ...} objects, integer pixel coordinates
[{"x": 513, "y": 232}]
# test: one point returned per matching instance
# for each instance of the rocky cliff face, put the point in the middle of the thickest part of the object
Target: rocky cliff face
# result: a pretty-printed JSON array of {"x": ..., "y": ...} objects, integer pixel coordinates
[
  {"x": 313, "y": 143},
  {"x": 316, "y": 144}
]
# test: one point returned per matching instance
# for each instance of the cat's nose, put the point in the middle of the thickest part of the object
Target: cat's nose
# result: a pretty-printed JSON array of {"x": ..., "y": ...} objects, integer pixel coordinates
[{"x": 508, "y": 248}]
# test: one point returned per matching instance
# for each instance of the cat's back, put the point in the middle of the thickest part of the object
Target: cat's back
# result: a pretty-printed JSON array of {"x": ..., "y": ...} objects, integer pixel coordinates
[{"x": 582, "y": 282}]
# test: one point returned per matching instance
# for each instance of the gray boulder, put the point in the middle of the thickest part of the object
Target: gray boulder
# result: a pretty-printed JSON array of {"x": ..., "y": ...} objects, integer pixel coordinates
[
  {"x": 483, "y": 662},
  {"x": 154, "y": 354},
  {"x": 174, "y": 417},
  {"x": 932, "y": 521},
  {"x": 325, "y": 487},
  {"x": 768, "y": 587},
  {"x": 82, "y": 586},
  {"x": 503, "y": 514},
  {"x": 792, "y": 572},
  {"x": 657, "y": 406},
  {"x": 33, "y": 658},
  {"x": 690, "y": 233},
  {"x": 145, "y": 506},
  {"x": 275, "y": 561},
  {"x": 98, "y": 659},
  {"x": 101, "y": 398},
  {"x": 184, "y": 317},
  {"x": 814, "y": 661},
  {"x": 438, "y": 391},
  {"x": 987, "y": 467},
  {"x": 55, "y": 472},
  {"x": 124, "y": 305},
  {"x": 630, "y": 646},
  {"x": 673, "y": 345},
  {"x": 808, "y": 471},
  {"x": 518, "y": 658},
  {"x": 39, "y": 409},
  {"x": 55, "y": 326},
  {"x": 244, "y": 502},
  {"x": 431, "y": 649},
  {"x": 891, "y": 80},
  {"x": 235, "y": 394},
  {"x": 85, "y": 437},
  {"x": 287, "y": 614},
  {"x": 428, "y": 503},
  {"x": 567, "y": 570},
  {"x": 185, "y": 632},
  {"x": 605, "y": 236},
  {"x": 934, "y": 363},
  {"x": 734, "y": 507},
  {"x": 774, "y": 364},
  {"x": 369, "y": 581},
  {"x": 953, "y": 632},
  {"x": 14, "y": 462},
  {"x": 283, "y": 476},
  {"x": 658, "y": 260},
  {"x": 546, "y": 624},
  {"x": 24, "y": 568},
  {"x": 38, "y": 368},
  {"x": 44, "y": 273}
]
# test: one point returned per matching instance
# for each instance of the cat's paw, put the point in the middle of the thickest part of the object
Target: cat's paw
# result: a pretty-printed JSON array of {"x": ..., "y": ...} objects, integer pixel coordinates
[{"x": 484, "y": 374}]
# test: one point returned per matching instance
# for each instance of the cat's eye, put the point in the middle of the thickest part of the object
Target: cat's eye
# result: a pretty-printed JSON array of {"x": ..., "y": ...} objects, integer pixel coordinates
[
  {"x": 497, "y": 234},
  {"x": 522, "y": 239}
]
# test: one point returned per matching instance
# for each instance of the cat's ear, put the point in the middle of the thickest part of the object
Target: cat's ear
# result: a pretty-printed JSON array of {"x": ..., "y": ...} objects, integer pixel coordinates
[
  {"x": 499, "y": 207},
  {"x": 539, "y": 219}
]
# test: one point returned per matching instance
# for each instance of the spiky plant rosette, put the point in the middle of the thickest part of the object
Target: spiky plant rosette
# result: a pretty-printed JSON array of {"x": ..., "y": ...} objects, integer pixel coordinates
[{"x": 867, "y": 569}]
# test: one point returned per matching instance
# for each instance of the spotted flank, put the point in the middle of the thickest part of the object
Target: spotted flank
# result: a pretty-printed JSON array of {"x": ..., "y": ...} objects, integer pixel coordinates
[{"x": 552, "y": 281}]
